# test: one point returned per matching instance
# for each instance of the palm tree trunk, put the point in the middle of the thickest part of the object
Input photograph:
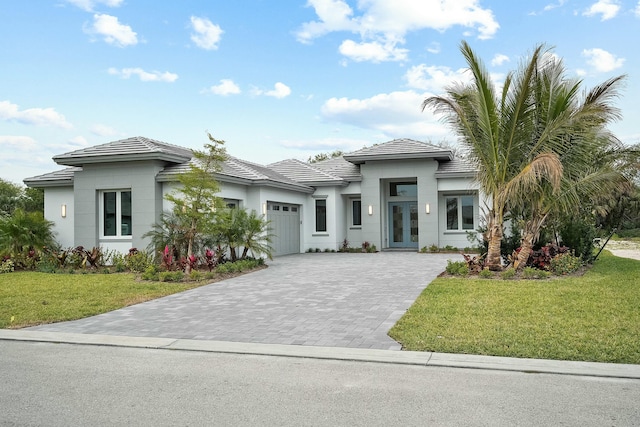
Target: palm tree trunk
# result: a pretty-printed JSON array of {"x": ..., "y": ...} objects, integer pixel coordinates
[
  {"x": 526, "y": 247},
  {"x": 494, "y": 259},
  {"x": 530, "y": 235}
]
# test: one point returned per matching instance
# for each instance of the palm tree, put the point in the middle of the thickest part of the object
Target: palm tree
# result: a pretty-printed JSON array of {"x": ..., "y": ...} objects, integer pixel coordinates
[
  {"x": 24, "y": 230},
  {"x": 588, "y": 152},
  {"x": 257, "y": 236},
  {"x": 501, "y": 136}
]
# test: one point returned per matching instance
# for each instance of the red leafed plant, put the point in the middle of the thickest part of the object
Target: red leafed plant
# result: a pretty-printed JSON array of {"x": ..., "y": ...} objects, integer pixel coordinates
[
  {"x": 210, "y": 257},
  {"x": 167, "y": 258}
]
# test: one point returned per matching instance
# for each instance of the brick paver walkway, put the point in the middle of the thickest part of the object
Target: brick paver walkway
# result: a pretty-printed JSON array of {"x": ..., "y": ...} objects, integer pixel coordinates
[{"x": 338, "y": 300}]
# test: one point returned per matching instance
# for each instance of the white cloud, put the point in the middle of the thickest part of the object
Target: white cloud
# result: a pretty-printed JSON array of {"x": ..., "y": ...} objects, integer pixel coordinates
[
  {"x": 637, "y": 10},
  {"x": 79, "y": 141},
  {"x": 225, "y": 88},
  {"x": 550, "y": 7},
  {"x": 499, "y": 59},
  {"x": 19, "y": 143},
  {"x": 112, "y": 31},
  {"x": 89, "y": 5},
  {"x": 102, "y": 130},
  {"x": 434, "y": 47},
  {"x": 33, "y": 116},
  {"x": 373, "y": 51},
  {"x": 280, "y": 90},
  {"x": 145, "y": 76},
  {"x": 381, "y": 23},
  {"x": 206, "y": 34},
  {"x": 433, "y": 78},
  {"x": 607, "y": 8},
  {"x": 395, "y": 115},
  {"x": 602, "y": 60}
]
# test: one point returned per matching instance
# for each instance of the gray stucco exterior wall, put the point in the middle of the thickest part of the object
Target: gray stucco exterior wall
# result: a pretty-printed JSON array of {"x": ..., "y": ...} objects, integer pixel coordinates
[{"x": 140, "y": 178}]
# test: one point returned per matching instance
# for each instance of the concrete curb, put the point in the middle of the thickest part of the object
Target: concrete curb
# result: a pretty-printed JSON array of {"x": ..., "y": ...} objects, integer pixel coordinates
[{"x": 593, "y": 369}]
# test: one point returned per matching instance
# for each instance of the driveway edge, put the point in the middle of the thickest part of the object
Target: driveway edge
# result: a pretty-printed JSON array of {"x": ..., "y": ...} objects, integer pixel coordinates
[{"x": 468, "y": 361}]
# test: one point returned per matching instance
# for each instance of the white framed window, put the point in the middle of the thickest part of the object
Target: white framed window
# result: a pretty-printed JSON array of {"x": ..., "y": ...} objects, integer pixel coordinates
[
  {"x": 460, "y": 213},
  {"x": 116, "y": 216}
]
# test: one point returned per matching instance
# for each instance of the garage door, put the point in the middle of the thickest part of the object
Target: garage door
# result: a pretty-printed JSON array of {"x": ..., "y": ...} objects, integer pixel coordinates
[{"x": 285, "y": 227}]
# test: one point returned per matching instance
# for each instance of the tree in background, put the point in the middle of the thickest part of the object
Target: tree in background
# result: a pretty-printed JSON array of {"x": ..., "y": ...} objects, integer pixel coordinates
[
  {"x": 324, "y": 156},
  {"x": 196, "y": 202},
  {"x": 13, "y": 196}
]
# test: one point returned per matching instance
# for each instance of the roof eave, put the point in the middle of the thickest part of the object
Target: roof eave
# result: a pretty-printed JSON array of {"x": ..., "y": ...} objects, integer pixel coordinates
[
  {"x": 115, "y": 158},
  {"x": 441, "y": 156},
  {"x": 63, "y": 182},
  {"x": 455, "y": 175}
]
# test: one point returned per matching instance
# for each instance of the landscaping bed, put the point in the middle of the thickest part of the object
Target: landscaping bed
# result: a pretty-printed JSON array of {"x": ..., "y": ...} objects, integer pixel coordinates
[{"x": 592, "y": 317}]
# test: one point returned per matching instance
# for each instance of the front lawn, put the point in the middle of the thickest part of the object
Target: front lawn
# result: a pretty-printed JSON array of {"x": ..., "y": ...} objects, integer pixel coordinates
[
  {"x": 595, "y": 317},
  {"x": 32, "y": 298}
]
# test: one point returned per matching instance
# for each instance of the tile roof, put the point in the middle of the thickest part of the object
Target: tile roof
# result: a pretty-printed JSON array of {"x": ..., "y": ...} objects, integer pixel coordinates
[
  {"x": 234, "y": 169},
  {"x": 61, "y": 177},
  {"x": 399, "y": 149},
  {"x": 305, "y": 173},
  {"x": 135, "y": 148},
  {"x": 456, "y": 167},
  {"x": 340, "y": 167}
]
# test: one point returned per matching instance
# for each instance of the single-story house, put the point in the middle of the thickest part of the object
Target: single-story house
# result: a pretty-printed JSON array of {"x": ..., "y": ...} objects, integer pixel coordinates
[{"x": 402, "y": 194}]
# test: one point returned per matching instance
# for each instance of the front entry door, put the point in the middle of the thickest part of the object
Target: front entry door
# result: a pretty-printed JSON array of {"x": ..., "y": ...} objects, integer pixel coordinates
[{"x": 403, "y": 224}]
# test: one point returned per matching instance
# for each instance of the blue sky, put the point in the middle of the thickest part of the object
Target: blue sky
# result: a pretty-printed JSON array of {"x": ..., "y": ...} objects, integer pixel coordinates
[{"x": 276, "y": 79}]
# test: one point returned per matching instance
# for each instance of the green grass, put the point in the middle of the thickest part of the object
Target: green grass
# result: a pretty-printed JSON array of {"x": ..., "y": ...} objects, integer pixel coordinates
[
  {"x": 32, "y": 298},
  {"x": 595, "y": 317}
]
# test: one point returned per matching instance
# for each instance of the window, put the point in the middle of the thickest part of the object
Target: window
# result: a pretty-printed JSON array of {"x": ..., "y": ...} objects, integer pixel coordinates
[
  {"x": 116, "y": 213},
  {"x": 231, "y": 203},
  {"x": 460, "y": 213},
  {"x": 321, "y": 215},
  {"x": 404, "y": 189},
  {"x": 356, "y": 212}
]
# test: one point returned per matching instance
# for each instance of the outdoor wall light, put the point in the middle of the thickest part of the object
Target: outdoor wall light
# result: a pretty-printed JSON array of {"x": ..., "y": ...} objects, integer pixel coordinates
[
  {"x": 63, "y": 211},
  {"x": 264, "y": 209},
  {"x": 427, "y": 208},
  {"x": 370, "y": 209}
]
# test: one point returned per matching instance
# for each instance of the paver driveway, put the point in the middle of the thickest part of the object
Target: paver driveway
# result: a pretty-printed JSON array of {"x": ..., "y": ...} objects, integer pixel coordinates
[{"x": 338, "y": 300}]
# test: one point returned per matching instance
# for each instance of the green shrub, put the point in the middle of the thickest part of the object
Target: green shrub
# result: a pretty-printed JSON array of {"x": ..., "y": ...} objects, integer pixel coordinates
[
  {"x": 534, "y": 273},
  {"x": 118, "y": 261},
  {"x": 195, "y": 275},
  {"x": 485, "y": 274},
  {"x": 578, "y": 234},
  {"x": 6, "y": 266},
  {"x": 508, "y": 274},
  {"x": 457, "y": 268},
  {"x": 150, "y": 273},
  {"x": 566, "y": 263},
  {"x": 630, "y": 233},
  {"x": 138, "y": 261},
  {"x": 47, "y": 264},
  {"x": 170, "y": 276}
]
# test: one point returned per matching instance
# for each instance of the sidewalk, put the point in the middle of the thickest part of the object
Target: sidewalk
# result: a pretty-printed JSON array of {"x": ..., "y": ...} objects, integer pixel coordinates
[{"x": 592, "y": 369}]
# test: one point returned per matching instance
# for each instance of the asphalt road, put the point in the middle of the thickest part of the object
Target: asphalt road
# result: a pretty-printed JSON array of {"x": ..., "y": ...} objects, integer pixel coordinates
[{"x": 46, "y": 384}]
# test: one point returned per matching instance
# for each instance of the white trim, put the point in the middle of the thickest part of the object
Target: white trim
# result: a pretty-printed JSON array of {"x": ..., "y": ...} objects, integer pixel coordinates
[{"x": 119, "y": 236}]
